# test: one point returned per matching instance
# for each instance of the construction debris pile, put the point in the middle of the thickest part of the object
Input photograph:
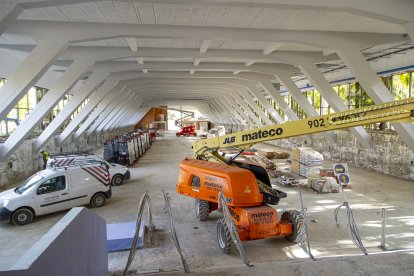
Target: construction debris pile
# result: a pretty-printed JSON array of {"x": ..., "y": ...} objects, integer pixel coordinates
[
  {"x": 127, "y": 149},
  {"x": 324, "y": 184},
  {"x": 306, "y": 161}
]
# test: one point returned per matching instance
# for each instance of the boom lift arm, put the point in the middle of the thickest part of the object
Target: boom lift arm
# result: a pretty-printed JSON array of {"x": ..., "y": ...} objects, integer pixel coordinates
[{"x": 398, "y": 111}]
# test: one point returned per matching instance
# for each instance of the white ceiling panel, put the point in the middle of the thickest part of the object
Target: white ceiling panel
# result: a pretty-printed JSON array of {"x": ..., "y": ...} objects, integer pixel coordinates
[
  {"x": 182, "y": 14},
  {"x": 232, "y": 17},
  {"x": 109, "y": 11},
  {"x": 215, "y": 15},
  {"x": 55, "y": 14},
  {"x": 92, "y": 12},
  {"x": 73, "y": 12},
  {"x": 162, "y": 59},
  {"x": 145, "y": 12},
  {"x": 127, "y": 12},
  {"x": 248, "y": 17},
  {"x": 178, "y": 43},
  {"x": 163, "y": 14},
  {"x": 199, "y": 15},
  {"x": 159, "y": 43},
  {"x": 246, "y": 45}
]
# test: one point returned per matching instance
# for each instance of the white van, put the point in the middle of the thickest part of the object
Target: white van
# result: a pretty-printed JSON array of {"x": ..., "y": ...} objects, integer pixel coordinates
[
  {"x": 53, "y": 190},
  {"x": 118, "y": 173}
]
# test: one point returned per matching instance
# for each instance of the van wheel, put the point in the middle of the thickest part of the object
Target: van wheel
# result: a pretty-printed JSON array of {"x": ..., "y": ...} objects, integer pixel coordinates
[
  {"x": 98, "y": 200},
  {"x": 22, "y": 216},
  {"x": 117, "y": 180}
]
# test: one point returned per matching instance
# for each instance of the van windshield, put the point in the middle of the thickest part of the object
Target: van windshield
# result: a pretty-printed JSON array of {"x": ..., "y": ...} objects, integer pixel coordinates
[{"x": 33, "y": 180}]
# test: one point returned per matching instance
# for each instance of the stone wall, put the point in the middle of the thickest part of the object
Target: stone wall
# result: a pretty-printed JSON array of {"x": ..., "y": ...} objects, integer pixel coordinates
[
  {"x": 389, "y": 154},
  {"x": 24, "y": 161}
]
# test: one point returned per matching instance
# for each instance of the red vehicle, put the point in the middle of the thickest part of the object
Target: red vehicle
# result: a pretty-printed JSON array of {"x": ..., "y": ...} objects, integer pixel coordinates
[{"x": 187, "y": 131}]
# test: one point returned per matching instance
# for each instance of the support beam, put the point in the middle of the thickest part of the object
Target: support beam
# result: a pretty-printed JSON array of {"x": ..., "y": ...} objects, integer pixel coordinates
[
  {"x": 132, "y": 43},
  {"x": 96, "y": 97},
  {"x": 234, "y": 116},
  {"x": 234, "y": 106},
  {"x": 28, "y": 73},
  {"x": 123, "y": 114},
  {"x": 375, "y": 88},
  {"x": 9, "y": 14},
  {"x": 204, "y": 46},
  {"x": 197, "y": 61},
  {"x": 140, "y": 60},
  {"x": 329, "y": 94},
  {"x": 98, "y": 111},
  {"x": 98, "y": 126},
  {"x": 272, "y": 47},
  {"x": 265, "y": 103},
  {"x": 49, "y": 101},
  {"x": 299, "y": 98},
  {"x": 80, "y": 96},
  {"x": 243, "y": 104},
  {"x": 409, "y": 28},
  {"x": 248, "y": 98}
]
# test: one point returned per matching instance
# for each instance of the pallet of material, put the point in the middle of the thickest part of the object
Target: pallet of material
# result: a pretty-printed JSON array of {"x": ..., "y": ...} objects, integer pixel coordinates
[
  {"x": 266, "y": 153},
  {"x": 324, "y": 184},
  {"x": 270, "y": 154},
  {"x": 281, "y": 155},
  {"x": 307, "y": 156},
  {"x": 295, "y": 166}
]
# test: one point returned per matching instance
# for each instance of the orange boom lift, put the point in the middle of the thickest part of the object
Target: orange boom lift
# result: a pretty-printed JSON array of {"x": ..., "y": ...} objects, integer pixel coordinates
[{"x": 247, "y": 187}]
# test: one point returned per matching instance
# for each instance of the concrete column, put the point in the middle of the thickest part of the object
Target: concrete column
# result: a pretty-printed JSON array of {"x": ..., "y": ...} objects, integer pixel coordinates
[
  {"x": 99, "y": 124},
  {"x": 375, "y": 88},
  {"x": 329, "y": 94},
  {"x": 95, "y": 79},
  {"x": 301, "y": 100},
  {"x": 98, "y": 111},
  {"x": 28, "y": 73},
  {"x": 248, "y": 98},
  {"x": 9, "y": 14},
  {"x": 49, "y": 101},
  {"x": 95, "y": 98}
]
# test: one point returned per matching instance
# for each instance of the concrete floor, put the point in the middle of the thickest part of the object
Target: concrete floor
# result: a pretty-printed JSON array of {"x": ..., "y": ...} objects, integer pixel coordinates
[{"x": 158, "y": 170}]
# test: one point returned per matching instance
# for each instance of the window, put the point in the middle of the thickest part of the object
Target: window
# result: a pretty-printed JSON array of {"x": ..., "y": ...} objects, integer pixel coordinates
[
  {"x": 52, "y": 185},
  {"x": 195, "y": 181}
]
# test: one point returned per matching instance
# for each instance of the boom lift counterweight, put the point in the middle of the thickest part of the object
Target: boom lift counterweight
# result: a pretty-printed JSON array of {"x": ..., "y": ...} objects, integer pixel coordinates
[{"x": 247, "y": 186}]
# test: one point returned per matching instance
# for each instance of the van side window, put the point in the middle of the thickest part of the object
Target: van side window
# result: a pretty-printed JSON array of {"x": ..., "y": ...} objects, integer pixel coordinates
[{"x": 52, "y": 185}]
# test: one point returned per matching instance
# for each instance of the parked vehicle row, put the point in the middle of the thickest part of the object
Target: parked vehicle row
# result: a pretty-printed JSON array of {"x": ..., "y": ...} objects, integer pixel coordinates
[{"x": 69, "y": 180}]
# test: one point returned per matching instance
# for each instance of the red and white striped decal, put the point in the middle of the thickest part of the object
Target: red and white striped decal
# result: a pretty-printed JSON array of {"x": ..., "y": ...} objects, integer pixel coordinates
[
  {"x": 63, "y": 162},
  {"x": 99, "y": 173}
]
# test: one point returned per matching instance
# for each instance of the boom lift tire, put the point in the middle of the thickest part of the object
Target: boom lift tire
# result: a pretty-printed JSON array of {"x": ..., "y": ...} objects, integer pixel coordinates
[
  {"x": 202, "y": 209},
  {"x": 294, "y": 217},
  {"x": 224, "y": 240}
]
